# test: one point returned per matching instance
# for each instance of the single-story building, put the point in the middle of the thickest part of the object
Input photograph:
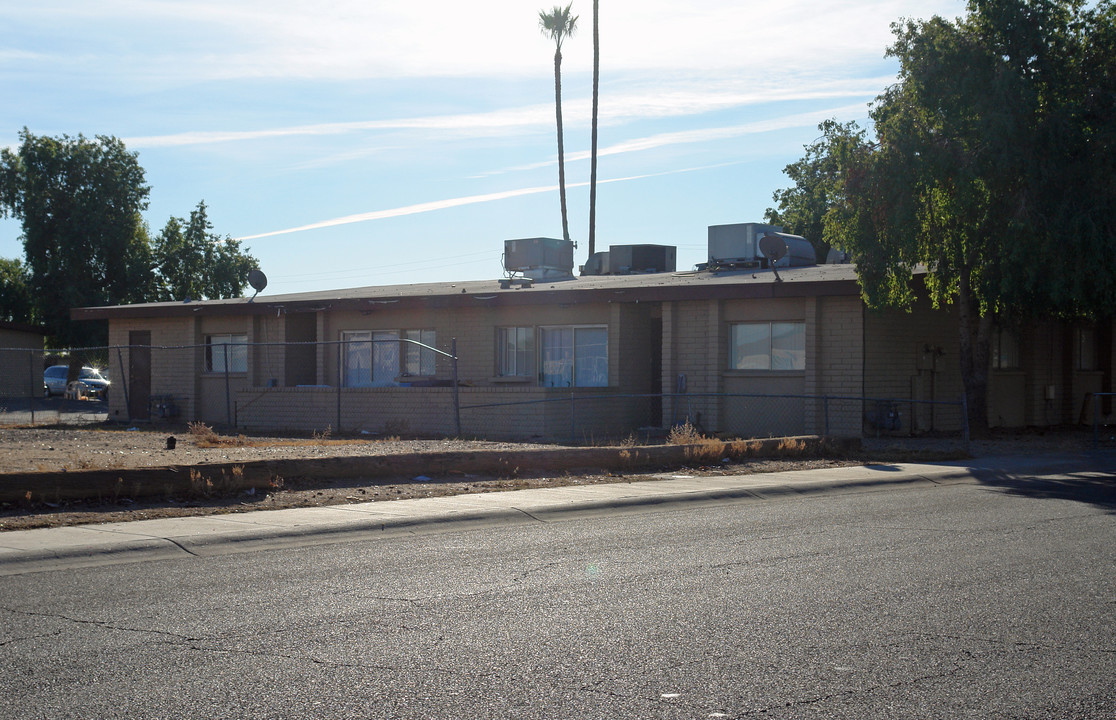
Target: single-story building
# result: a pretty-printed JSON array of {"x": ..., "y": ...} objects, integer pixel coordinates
[
  {"x": 546, "y": 354},
  {"x": 21, "y": 360}
]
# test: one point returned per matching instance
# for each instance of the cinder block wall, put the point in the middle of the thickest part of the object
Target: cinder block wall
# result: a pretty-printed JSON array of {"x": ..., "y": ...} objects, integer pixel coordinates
[
  {"x": 173, "y": 370},
  {"x": 915, "y": 356}
]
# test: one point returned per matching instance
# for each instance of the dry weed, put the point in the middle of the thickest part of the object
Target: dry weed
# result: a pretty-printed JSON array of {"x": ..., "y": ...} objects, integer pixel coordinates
[{"x": 684, "y": 434}]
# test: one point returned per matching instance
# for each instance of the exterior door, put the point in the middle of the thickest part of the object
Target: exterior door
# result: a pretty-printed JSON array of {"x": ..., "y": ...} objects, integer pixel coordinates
[{"x": 139, "y": 375}]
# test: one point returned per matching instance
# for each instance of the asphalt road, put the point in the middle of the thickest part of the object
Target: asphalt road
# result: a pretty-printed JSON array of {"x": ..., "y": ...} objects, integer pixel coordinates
[{"x": 992, "y": 599}]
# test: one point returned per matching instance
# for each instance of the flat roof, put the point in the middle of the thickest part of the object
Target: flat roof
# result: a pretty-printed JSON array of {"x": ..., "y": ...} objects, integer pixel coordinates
[{"x": 812, "y": 281}]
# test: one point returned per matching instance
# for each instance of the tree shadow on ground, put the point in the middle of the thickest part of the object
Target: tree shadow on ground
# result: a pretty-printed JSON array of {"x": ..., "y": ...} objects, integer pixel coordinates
[{"x": 1095, "y": 486}]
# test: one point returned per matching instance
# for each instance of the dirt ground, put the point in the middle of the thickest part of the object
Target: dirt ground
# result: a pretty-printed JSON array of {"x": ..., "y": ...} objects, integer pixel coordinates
[{"x": 30, "y": 449}]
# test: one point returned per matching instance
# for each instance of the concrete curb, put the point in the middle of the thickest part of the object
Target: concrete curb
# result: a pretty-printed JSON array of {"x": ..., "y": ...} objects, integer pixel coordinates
[
  {"x": 178, "y": 480},
  {"x": 206, "y": 536}
]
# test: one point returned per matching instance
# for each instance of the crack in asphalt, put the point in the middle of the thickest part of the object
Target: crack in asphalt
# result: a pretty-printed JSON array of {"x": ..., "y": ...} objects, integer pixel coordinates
[
  {"x": 104, "y": 624},
  {"x": 325, "y": 663},
  {"x": 12, "y": 641},
  {"x": 1018, "y": 644},
  {"x": 182, "y": 547},
  {"x": 533, "y": 517}
]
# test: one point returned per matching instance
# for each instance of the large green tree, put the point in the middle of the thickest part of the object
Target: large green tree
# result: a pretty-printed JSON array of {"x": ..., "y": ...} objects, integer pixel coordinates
[
  {"x": 86, "y": 244},
  {"x": 84, "y": 240},
  {"x": 801, "y": 209},
  {"x": 193, "y": 262},
  {"x": 992, "y": 169},
  {"x": 558, "y": 25}
]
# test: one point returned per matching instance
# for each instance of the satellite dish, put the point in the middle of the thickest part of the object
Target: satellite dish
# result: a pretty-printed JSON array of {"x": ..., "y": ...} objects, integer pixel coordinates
[
  {"x": 774, "y": 248},
  {"x": 257, "y": 280}
]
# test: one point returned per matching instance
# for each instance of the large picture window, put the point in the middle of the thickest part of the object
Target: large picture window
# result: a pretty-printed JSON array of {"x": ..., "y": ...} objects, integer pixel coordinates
[
  {"x": 767, "y": 346},
  {"x": 232, "y": 347},
  {"x": 515, "y": 352},
  {"x": 573, "y": 356}
]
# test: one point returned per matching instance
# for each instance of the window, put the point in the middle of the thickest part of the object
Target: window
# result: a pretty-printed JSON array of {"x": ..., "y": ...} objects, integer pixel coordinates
[
  {"x": 515, "y": 352},
  {"x": 1005, "y": 350},
  {"x": 767, "y": 346},
  {"x": 232, "y": 347},
  {"x": 574, "y": 356},
  {"x": 418, "y": 360},
  {"x": 377, "y": 358},
  {"x": 1086, "y": 349}
]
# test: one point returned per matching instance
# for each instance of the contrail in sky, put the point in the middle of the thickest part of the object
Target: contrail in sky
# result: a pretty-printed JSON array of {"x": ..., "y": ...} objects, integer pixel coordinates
[{"x": 457, "y": 202}]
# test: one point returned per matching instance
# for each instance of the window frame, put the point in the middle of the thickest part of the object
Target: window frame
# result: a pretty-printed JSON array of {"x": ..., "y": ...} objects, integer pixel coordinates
[
  {"x": 424, "y": 360},
  {"x": 237, "y": 353},
  {"x": 574, "y": 360},
  {"x": 529, "y": 353},
  {"x": 735, "y": 363},
  {"x": 387, "y": 357},
  {"x": 1085, "y": 349},
  {"x": 1006, "y": 356}
]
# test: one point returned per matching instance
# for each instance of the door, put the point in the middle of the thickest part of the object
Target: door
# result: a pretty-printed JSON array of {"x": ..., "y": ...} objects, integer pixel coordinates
[{"x": 139, "y": 375}]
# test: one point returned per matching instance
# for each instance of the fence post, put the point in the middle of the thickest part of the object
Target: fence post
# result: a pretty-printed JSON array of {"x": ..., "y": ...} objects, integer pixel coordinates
[
  {"x": 124, "y": 382},
  {"x": 825, "y": 409},
  {"x": 228, "y": 408},
  {"x": 31, "y": 388},
  {"x": 1096, "y": 420},
  {"x": 573, "y": 418},
  {"x": 965, "y": 420},
  {"x": 456, "y": 392},
  {"x": 340, "y": 350}
]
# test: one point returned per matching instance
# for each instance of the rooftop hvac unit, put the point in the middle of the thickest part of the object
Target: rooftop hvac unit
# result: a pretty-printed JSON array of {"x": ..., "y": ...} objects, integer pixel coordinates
[
  {"x": 738, "y": 244},
  {"x": 795, "y": 251},
  {"x": 539, "y": 257},
  {"x": 641, "y": 258},
  {"x": 597, "y": 264}
]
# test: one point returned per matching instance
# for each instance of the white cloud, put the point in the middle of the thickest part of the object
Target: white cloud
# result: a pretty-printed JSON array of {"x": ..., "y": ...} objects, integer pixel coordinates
[{"x": 356, "y": 39}]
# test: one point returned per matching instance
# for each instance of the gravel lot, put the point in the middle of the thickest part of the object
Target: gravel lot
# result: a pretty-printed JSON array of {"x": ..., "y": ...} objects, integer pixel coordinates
[{"x": 31, "y": 449}]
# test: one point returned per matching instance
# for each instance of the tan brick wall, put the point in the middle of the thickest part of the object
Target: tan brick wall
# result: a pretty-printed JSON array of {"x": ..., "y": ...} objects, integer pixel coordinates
[
  {"x": 836, "y": 330},
  {"x": 914, "y": 356},
  {"x": 173, "y": 368},
  {"x": 519, "y": 413}
]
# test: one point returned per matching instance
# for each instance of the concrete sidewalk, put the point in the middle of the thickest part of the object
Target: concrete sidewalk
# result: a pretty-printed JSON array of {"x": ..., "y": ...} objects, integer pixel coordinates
[{"x": 88, "y": 545}]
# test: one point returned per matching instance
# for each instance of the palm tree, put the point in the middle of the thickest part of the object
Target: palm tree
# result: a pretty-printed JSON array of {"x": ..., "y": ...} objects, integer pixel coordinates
[
  {"x": 558, "y": 24},
  {"x": 593, "y": 152}
]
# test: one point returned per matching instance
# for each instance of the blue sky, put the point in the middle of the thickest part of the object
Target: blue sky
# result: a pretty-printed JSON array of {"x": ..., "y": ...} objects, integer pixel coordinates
[{"x": 369, "y": 143}]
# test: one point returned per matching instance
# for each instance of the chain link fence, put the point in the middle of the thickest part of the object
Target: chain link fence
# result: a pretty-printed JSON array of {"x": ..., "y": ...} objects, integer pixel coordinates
[{"x": 402, "y": 386}]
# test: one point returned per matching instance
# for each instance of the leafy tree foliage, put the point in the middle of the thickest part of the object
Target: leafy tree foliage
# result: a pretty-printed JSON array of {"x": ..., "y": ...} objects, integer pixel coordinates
[
  {"x": 992, "y": 168},
  {"x": 192, "y": 262},
  {"x": 15, "y": 292},
  {"x": 802, "y": 208},
  {"x": 86, "y": 244},
  {"x": 83, "y": 237}
]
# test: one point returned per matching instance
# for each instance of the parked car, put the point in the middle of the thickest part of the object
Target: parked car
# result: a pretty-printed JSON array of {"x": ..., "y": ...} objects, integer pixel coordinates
[{"x": 90, "y": 383}]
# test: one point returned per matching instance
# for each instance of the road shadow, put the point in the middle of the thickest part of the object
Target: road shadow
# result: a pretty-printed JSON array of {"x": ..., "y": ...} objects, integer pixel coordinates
[{"x": 1094, "y": 485}]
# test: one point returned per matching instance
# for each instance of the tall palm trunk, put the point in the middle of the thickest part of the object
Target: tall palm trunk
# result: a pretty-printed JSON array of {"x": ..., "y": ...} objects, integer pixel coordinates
[
  {"x": 558, "y": 24},
  {"x": 593, "y": 151},
  {"x": 561, "y": 143}
]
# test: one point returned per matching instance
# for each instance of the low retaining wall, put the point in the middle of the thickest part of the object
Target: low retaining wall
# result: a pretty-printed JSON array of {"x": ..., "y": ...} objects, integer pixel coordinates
[{"x": 220, "y": 478}]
